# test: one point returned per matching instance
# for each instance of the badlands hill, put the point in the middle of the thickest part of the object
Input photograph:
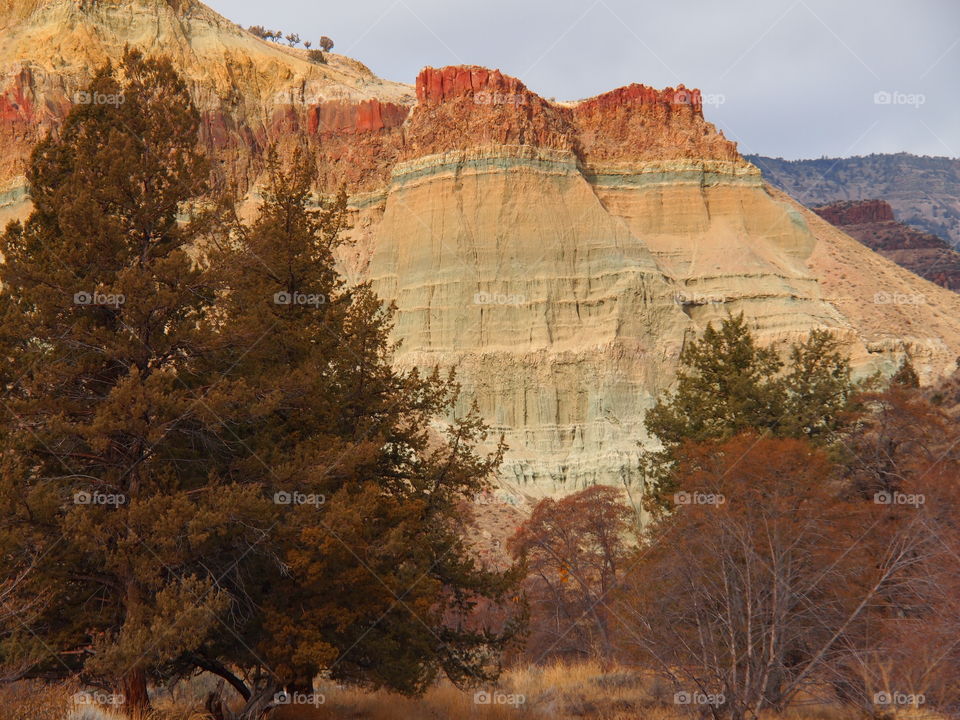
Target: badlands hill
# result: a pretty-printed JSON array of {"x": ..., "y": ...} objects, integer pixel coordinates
[
  {"x": 872, "y": 222},
  {"x": 558, "y": 254}
]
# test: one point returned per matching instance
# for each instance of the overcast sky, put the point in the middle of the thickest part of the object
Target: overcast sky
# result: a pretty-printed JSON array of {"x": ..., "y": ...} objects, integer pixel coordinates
[{"x": 791, "y": 78}]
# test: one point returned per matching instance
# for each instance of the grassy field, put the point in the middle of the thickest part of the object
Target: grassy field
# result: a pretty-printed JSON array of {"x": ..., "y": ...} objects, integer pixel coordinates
[{"x": 560, "y": 692}]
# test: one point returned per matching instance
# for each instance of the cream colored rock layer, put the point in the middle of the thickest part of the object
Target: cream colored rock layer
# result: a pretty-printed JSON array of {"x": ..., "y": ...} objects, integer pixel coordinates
[{"x": 564, "y": 295}]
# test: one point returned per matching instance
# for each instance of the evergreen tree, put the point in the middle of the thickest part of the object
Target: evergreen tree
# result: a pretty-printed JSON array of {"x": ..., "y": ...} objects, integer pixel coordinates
[
  {"x": 106, "y": 492},
  {"x": 906, "y": 376},
  {"x": 208, "y": 461},
  {"x": 728, "y": 385},
  {"x": 818, "y": 390},
  {"x": 373, "y": 582}
]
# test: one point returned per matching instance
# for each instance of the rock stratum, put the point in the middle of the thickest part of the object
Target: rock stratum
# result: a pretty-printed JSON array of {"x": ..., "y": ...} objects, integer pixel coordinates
[{"x": 559, "y": 254}]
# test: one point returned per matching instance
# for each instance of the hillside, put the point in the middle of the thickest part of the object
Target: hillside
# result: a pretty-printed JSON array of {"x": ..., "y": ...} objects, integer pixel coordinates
[
  {"x": 924, "y": 192},
  {"x": 872, "y": 222}
]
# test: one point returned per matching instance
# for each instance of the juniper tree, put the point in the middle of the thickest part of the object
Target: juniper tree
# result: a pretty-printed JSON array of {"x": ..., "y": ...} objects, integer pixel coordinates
[
  {"x": 371, "y": 580},
  {"x": 728, "y": 385},
  {"x": 109, "y": 505},
  {"x": 208, "y": 461}
]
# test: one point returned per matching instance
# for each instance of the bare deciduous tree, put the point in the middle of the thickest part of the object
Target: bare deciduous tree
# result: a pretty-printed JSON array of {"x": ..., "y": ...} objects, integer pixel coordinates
[
  {"x": 574, "y": 549},
  {"x": 766, "y": 580}
]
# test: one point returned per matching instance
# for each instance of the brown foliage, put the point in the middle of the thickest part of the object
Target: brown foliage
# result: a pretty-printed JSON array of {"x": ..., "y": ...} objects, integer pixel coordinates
[
  {"x": 574, "y": 550},
  {"x": 768, "y": 579}
]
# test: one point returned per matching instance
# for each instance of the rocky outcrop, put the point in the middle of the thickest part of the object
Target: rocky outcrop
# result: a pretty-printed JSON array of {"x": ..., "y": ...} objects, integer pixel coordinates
[
  {"x": 860, "y": 212},
  {"x": 251, "y": 93},
  {"x": 872, "y": 223},
  {"x": 641, "y": 123},
  {"x": 558, "y": 254}
]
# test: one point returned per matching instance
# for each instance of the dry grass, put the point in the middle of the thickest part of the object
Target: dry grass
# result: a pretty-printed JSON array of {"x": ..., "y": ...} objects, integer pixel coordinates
[{"x": 584, "y": 691}]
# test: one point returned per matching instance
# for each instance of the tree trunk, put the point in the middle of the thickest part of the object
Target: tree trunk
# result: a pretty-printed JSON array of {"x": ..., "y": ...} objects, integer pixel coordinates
[
  {"x": 255, "y": 708},
  {"x": 133, "y": 687}
]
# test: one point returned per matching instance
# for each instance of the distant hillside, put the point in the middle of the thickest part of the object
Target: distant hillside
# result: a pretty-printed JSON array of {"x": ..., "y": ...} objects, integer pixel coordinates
[
  {"x": 872, "y": 222},
  {"x": 923, "y": 191}
]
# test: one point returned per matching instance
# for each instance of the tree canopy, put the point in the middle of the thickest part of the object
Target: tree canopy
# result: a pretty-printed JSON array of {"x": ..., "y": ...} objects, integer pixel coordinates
[{"x": 208, "y": 461}]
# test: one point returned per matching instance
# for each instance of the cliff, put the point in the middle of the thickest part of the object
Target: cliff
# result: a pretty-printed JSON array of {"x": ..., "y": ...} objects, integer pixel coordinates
[{"x": 558, "y": 254}]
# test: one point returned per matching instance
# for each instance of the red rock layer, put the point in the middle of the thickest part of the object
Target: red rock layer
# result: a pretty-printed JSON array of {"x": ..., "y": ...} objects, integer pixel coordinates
[
  {"x": 462, "y": 107},
  {"x": 872, "y": 223},
  {"x": 435, "y": 86},
  {"x": 638, "y": 122},
  {"x": 856, "y": 212},
  {"x": 26, "y": 115},
  {"x": 636, "y": 94},
  {"x": 459, "y": 107},
  {"x": 467, "y": 106},
  {"x": 367, "y": 116}
]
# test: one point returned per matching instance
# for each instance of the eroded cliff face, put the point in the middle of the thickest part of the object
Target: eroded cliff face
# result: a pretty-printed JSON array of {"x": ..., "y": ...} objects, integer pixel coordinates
[
  {"x": 560, "y": 254},
  {"x": 557, "y": 254},
  {"x": 251, "y": 93}
]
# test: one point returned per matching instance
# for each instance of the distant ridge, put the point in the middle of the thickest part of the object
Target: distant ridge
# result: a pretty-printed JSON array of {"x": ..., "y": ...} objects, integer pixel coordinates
[
  {"x": 923, "y": 191},
  {"x": 872, "y": 222}
]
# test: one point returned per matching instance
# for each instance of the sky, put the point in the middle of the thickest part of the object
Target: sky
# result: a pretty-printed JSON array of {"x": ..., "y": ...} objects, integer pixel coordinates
[{"x": 785, "y": 78}]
